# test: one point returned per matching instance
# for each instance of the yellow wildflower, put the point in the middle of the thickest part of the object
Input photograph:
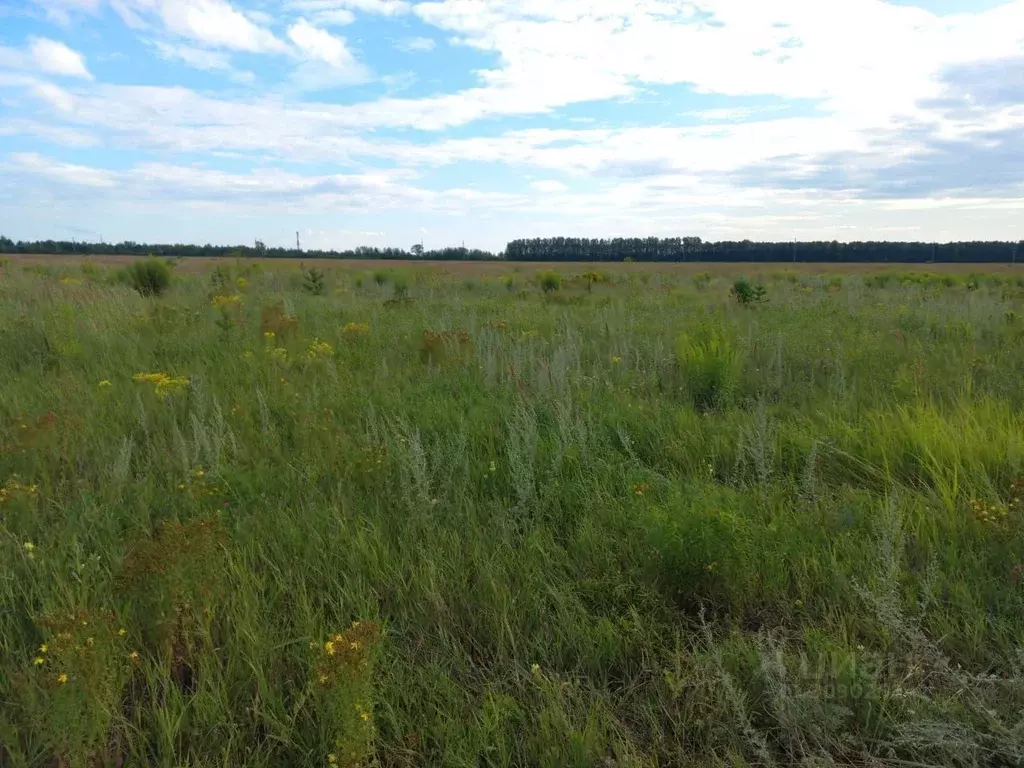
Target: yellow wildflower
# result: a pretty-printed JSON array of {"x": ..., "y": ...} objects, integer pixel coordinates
[
  {"x": 242, "y": 282},
  {"x": 319, "y": 350},
  {"x": 170, "y": 386},
  {"x": 364, "y": 715},
  {"x": 322, "y": 679},
  {"x": 150, "y": 378},
  {"x": 224, "y": 302},
  {"x": 332, "y": 759},
  {"x": 535, "y": 669},
  {"x": 616, "y": 360},
  {"x": 329, "y": 647},
  {"x": 38, "y": 661},
  {"x": 62, "y": 678},
  {"x": 105, "y": 383},
  {"x": 44, "y": 648},
  {"x": 28, "y": 546},
  {"x": 355, "y": 330},
  {"x": 122, "y": 632},
  {"x": 134, "y": 655}
]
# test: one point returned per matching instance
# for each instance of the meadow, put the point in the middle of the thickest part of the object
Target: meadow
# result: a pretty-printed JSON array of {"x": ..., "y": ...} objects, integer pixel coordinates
[{"x": 376, "y": 516}]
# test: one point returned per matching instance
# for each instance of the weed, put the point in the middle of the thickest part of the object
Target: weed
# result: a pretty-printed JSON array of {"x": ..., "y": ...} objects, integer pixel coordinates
[
  {"x": 150, "y": 277},
  {"x": 747, "y": 293}
]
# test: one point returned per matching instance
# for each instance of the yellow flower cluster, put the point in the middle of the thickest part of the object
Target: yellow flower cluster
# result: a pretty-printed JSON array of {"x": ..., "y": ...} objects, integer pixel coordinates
[
  {"x": 319, "y": 351},
  {"x": 346, "y": 654},
  {"x": 77, "y": 646},
  {"x": 353, "y": 331},
  {"x": 226, "y": 301},
  {"x": 987, "y": 513},
  {"x": 163, "y": 384},
  {"x": 15, "y": 488}
]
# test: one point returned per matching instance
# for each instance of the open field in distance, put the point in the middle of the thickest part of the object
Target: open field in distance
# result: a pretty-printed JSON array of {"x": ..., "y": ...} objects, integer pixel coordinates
[
  {"x": 459, "y": 515},
  {"x": 497, "y": 268}
]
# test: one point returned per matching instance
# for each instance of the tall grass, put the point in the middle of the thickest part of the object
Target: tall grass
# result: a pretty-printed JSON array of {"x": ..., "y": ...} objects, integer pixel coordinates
[{"x": 640, "y": 526}]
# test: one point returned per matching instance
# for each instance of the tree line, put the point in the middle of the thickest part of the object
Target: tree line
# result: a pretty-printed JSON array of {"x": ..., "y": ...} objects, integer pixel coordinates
[
  {"x": 257, "y": 250},
  {"x": 695, "y": 249},
  {"x": 574, "y": 249}
]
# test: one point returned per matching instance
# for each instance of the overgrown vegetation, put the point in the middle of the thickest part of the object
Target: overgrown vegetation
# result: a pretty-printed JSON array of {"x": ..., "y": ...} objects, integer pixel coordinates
[
  {"x": 747, "y": 292},
  {"x": 150, "y": 277},
  {"x": 243, "y": 524}
]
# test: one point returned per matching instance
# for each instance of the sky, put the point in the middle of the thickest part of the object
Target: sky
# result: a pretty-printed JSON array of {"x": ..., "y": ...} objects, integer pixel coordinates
[{"x": 449, "y": 122}]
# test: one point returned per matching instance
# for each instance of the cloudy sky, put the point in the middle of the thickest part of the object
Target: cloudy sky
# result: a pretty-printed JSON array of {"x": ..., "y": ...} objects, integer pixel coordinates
[{"x": 389, "y": 122}]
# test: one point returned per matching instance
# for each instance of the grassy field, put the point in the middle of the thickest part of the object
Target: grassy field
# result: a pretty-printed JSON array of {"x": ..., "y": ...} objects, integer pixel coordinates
[
  {"x": 431, "y": 518},
  {"x": 497, "y": 269}
]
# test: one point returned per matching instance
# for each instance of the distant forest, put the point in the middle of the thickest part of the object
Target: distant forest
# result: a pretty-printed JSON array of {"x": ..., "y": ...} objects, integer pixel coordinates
[{"x": 575, "y": 249}]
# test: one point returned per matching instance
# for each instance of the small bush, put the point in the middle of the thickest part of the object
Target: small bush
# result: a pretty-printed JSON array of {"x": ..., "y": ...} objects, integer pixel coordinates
[
  {"x": 151, "y": 277},
  {"x": 381, "y": 276},
  {"x": 549, "y": 281},
  {"x": 314, "y": 282},
  {"x": 746, "y": 292}
]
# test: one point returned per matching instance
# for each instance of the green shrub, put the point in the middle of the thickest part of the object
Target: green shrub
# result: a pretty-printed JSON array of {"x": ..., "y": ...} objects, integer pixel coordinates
[
  {"x": 549, "y": 281},
  {"x": 151, "y": 277},
  {"x": 314, "y": 282},
  {"x": 746, "y": 292},
  {"x": 381, "y": 276}
]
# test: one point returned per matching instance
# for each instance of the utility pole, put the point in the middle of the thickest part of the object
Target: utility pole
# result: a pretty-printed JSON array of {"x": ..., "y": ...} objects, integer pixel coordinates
[{"x": 298, "y": 246}]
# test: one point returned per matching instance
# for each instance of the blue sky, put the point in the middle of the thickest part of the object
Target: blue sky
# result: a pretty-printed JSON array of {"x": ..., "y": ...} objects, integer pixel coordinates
[{"x": 389, "y": 122}]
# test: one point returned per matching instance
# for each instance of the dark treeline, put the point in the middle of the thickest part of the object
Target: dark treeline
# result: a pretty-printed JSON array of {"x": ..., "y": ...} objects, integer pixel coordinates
[
  {"x": 695, "y": 249},
  {"x": 258, "y": 250},
  {"x": 574, "y": 249}
]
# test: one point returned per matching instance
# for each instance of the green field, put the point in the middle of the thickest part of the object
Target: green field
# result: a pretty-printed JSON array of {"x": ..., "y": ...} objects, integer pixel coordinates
[{"x": 425, "y": 519}]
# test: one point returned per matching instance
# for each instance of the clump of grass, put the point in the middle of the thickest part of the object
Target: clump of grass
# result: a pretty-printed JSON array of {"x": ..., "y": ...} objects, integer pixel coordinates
[
  {"x": 549, "y": 281},
  {"x": 150, "y": 277},
  {"x": 709, "y": 365}
]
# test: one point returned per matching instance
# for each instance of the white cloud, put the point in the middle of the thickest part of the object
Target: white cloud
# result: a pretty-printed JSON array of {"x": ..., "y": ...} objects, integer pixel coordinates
[
  {"x": 54, "y": 95},
  {"x": 63, "y": 172},
  {"x": 548, "y": 185},
  {"x": 56, "y": 134},
  {"x": 57, "y": 59},
  {"x": 340, "y": 17},
  {"x": 319, "y": 45},
  {"x": 47, "y": 56},
  {"x": 60, "y": 11},
  {"x": 380, "y": 7},
  {"x": 416, "y": 45},
  {"x": 198, "y": 58},
  {"x": 215, "y": 23}
]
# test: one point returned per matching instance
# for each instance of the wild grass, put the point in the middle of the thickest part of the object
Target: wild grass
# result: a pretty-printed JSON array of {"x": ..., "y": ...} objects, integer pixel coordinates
[{"x": 629, "y": 522}]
